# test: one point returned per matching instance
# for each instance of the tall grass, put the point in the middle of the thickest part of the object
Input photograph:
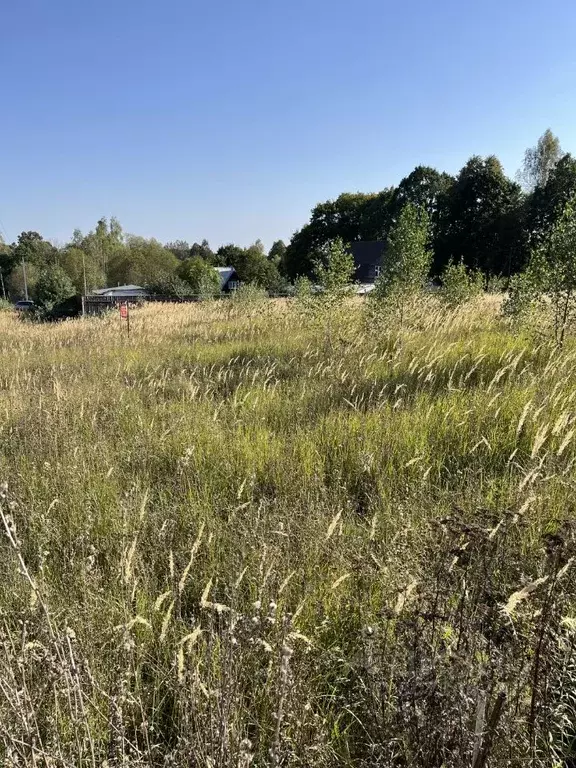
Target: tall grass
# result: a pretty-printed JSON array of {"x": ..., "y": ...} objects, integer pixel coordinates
[{"x": 231, "y": 539}]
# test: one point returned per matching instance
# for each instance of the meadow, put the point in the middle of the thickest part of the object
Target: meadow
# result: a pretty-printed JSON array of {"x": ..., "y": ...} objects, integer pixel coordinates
[{"x": 243, "y": 537}]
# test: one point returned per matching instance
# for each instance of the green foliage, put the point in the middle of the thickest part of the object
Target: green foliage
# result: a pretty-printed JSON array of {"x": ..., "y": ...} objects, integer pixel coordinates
[
  {"x": 522, "y": 299},
  {"x": 496, "y": 284},
  {"x": 170, "y": 287},
  {"x": 5, "y": 305},
  {"x": 406, "y": 263},
  {"x": 277, "y": 253},
  {"x": 550, "y": 280},
  {"x": 201, "y": 278},
  {"x": 253, "y": 266},
  {"x": 83, "y": 269},
  {"x": 483, "y": 220},
  {"x": 180, "y": 249},
  {"x": 33, "y": 249},
  {"x": 350, "y": 217},
  {"x": 226, "y": 544},
  {"x": 106, "y": 245},
  {"x": 460, "y": 284},
  {"x": 16, "y": 284},
  {"x": 546, "y": 203},
  {"x": 334, "y": 272},
  {"x": 53, "y": 286},
  {"x": 141, "y": 262},
  {"x": 203, "y": 251}
]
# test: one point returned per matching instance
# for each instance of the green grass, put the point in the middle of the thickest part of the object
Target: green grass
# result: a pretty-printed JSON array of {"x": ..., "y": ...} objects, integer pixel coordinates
[{"x": 236, "y": 539}]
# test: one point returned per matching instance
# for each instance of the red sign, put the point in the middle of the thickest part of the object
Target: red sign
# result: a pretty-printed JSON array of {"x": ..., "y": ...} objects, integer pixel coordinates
[{"x": 124, "y": 311}]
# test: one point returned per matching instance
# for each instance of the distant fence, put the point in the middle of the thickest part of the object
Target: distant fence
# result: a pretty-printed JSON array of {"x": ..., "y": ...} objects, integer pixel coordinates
[{"x": 96, "y": 305}]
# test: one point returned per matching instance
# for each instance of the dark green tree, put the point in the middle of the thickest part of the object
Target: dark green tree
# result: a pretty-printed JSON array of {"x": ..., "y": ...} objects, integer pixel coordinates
[
  {"x": 549, "y": 282},
  {"x": 52, "y": 287},
  {"x": 426, "y": 188},
  {"x": 546, "y": 204},
  {"x": 483, "y": 220},
  {"x": 203, "y": 251},
  {"x": 33, "y": 249},
  {"x": 228, "y": 255},
  {"x": 277, "y": 253},
  {"x": 253, "y": 266},
  {"x": 7, "y": 263},
  {"x": 352, "y": 216}
]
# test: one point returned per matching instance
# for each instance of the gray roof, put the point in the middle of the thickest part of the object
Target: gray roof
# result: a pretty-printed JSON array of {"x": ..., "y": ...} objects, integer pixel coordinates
[
  {"x": 121, "y": 290},
  {"x": 224, "y": 273}
]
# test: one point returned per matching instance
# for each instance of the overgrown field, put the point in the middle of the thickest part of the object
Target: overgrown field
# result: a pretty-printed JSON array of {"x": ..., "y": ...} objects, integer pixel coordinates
[{"x": 243, "y": 537}]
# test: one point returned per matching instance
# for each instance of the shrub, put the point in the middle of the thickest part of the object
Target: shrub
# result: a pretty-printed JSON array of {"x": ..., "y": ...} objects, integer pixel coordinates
[
  {"x": 460, "y": 284},
  {"x": 53, "y": 286},
  {"x": 406, "y": 264}
]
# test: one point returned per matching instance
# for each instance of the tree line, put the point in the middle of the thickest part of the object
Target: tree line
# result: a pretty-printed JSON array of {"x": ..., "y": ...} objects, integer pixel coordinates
[
  {"x": 106, "y": 256},
  {"x": 479, "y": 219}
]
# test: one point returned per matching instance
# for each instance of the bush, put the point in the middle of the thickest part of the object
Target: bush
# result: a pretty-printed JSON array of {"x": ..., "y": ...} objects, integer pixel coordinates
[
  {"x": 171, "y": 287},
  {"x": 201, "y": 278},
  {"x": 5, "y": 305},
  {"x": 406, "y": 265},
  {"x": 53, "y": 287},
  {"x": 460, "y": 284}
]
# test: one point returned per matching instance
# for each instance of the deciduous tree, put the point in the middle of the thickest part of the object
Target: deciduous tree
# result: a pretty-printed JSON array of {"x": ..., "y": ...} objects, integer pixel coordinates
[{"x": 540, "y": 161}]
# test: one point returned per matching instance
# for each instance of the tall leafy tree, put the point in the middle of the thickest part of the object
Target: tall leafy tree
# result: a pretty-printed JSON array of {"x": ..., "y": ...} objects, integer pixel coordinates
[
  {"x": 253, "y": 266},
  {"x": 141, "y": 262},
  {"x": 7, "y": 262},
  {"x": 203, "y": 251},
  {"x": 352, "y": 216},
  {"x": 540, "y": 161},
  {"x": 277, "y": 253},
  {"x": 425, "y": 188},
  {"x": 228, "y": 255},
  {"x": 83, "y": 269},
  {"x": 546, "y": 204},
  {"x": 483, "y": 220},
  {"x": 33, "y": 249},
  {"x": 105, "y": 244}
]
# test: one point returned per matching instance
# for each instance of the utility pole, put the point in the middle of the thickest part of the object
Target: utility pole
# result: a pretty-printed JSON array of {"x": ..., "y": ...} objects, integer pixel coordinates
[
  {"x": 84, "y": 270},
  {"x": 25, "y": 280},
  {"x": 3, "y": 286}
]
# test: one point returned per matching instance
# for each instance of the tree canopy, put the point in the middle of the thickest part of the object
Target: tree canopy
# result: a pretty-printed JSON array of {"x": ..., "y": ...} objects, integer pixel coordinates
[{"x": 478, "y": 218}]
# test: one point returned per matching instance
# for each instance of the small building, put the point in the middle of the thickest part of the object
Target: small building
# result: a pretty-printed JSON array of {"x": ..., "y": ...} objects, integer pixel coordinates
[
  {"x": 368, "y": 256},
  {"x": 122, "y": 292},
  {"x": 228, "y": 279}
]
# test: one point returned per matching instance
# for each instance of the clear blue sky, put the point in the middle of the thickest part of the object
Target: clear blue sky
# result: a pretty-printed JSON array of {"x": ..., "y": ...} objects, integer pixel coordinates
[{"x": 230, "y": 119}]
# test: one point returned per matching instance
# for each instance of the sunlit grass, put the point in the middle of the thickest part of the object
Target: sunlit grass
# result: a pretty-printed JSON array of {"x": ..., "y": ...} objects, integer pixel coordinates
[{"x": 243, "y": 521}]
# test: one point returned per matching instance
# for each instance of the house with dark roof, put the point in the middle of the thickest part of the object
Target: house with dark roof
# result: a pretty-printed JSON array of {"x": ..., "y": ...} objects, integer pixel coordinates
[
  {"x": 368, "y": 256},
  {"x": 228, "y": 279}
]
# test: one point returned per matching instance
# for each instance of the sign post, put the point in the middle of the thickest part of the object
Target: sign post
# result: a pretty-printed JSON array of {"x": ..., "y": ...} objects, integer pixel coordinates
[{"x": 125, "y": 315}]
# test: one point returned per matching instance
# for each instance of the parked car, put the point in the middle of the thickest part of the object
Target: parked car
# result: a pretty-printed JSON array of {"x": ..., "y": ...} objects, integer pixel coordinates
[{"x": 24, "y": 306}]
